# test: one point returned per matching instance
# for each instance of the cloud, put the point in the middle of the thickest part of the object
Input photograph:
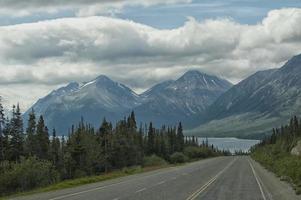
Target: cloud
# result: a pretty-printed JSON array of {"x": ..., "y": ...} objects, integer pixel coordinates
[
  {"x": 52, "y": 53},
  {"x": 83, "y": 7}
]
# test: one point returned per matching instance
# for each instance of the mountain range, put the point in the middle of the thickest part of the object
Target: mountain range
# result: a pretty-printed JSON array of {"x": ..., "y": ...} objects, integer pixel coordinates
[
  {"x": 169, "y": 102},
  {"x": 254, "y": 106},
  {"x": 207, "y": 105}
]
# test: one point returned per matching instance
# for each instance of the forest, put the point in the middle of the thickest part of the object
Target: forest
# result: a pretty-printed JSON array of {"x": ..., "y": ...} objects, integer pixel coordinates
[
  {"x": 32, "y": 156},
  {"x": 274, "y": 152}
]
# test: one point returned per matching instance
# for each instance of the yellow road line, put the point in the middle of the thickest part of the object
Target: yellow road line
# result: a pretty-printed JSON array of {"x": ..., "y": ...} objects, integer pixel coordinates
[{"x": 204, "y": 187}]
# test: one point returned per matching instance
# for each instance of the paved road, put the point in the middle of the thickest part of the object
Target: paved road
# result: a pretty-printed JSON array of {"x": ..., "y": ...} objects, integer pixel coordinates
[{"x": 223, "y": 178}]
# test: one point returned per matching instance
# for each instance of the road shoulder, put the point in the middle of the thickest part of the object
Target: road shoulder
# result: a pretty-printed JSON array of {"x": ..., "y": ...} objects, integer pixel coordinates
[{"x": 273, "y": 188}]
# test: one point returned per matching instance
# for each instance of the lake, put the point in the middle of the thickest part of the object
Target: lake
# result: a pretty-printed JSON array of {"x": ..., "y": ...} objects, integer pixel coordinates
[{"x": 231, "y": 144}]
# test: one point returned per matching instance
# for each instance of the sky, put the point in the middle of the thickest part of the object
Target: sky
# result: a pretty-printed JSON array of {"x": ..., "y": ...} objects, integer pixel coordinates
[{"x": 47, "y": 44}]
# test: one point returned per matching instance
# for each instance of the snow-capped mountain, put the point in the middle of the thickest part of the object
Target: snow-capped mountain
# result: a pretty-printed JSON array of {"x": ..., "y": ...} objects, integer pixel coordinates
[
  {"x": 94, "y": 100},
  {"x": 168, "y": 102},
  {"x": 257, "y": 104},
  {"x": 181, "y": 100}
]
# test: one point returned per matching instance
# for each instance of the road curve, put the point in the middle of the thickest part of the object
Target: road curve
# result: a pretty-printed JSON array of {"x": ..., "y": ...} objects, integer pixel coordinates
[{"x": 222, "y": 178}]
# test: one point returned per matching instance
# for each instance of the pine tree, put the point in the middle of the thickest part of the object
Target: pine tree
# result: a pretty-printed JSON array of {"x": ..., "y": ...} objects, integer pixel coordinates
[
  {"x": 42, "y": 136},
  {"x": 5, "y": 139},
  {"x": 105, "y": 135},
  {"x": 150, "y": 139},
  {"x": 16, "y": 133},
  {"x": 55, "y": 148},
  {"x": 2, "y": 123},
  {"x": 31, "y": 140},
  {"x": 180, "y": 138}
]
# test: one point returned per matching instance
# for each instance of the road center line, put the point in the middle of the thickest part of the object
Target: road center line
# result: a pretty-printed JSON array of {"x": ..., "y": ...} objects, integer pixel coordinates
[
  {"x": 160, "y": 183},
  {"x": 257, "y": 180},
  {"x": 204, "y": 187},
  {"x": 105, "y": 186},
  {"x": 172, "y": 169},
  {"x": 141, "y": 190}
]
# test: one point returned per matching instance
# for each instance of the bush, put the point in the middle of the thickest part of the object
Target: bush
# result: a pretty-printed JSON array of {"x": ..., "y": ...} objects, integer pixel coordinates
[
  {"x": 198, "y": 152},
  {"x": 153, "y": 160},
  {"x": 192, "y": 152},
  {"x": 28, "y": 174},
  {"x": 178, "y": 157}
]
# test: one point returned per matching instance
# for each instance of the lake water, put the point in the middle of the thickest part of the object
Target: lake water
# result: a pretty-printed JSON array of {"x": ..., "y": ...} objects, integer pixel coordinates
[{"x": 231, "y": 144}]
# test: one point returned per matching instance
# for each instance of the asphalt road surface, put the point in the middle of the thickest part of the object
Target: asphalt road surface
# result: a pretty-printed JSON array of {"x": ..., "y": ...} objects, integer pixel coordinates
[{"x": 222, "y": 178}]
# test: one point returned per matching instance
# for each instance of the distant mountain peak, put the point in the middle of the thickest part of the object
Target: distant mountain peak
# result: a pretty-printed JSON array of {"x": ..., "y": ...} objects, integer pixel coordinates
[
  {"x": 167, "y": 102},
  {"x": 72, "y": 86},
  {"x": 102, "y": 78},
  {"x": 195, "y": 79},
  {"x": 195, "y": 73},
  {"x": 293, "y": 63}
]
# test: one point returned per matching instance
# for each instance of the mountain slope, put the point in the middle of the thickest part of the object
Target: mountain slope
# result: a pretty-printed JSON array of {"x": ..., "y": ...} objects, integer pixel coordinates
[
  {"x": 181, "y": 100},
  {"x": 166, "y": 103},
  {"x": 94, "y": 100},
  {"x": 258, "y": 103}
]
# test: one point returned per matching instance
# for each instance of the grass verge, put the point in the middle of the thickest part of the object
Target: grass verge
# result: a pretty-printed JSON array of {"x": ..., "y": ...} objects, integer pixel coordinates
[{"x": 91, "y": 179}]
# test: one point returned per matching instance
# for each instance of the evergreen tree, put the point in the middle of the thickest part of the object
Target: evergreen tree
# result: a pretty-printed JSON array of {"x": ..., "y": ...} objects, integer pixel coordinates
[
  {"x": 105, "y": 136},
  {"x": 180, "y": 138},
  {"x": 42, "y": 137},
  {"x": 31, "y": 140},
  {"x": 5, "y": 139},
  {"x": 150, "y": 139},
  {"x": 16, "y": 133},
  {"x": 2, "y": 123},
  {"x": 55, "y": 149}
]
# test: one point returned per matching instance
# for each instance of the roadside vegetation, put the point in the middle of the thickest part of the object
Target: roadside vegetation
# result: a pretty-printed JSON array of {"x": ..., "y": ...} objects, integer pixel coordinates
[
  {"x": 30, "y": 159},
  {"x": 274, "y": 153}
]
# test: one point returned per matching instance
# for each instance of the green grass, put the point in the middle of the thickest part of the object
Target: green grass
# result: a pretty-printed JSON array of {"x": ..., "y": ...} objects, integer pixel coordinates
[
  {"x": 91, "y": 179},
  {"x": 102, "y": 177},
  {"x": 286, "y": 166}
]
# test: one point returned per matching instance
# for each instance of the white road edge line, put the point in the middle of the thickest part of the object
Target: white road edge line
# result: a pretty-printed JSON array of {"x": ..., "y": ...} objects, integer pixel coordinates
[
  {"x": 204, "y": 187},
  {"x": 86, "y": 191},
  {"x": 257, "y": 180}
]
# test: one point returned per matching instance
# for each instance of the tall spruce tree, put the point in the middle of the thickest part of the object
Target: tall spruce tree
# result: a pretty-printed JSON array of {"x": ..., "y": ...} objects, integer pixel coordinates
[
  {"x": 105, "y": 136},
  {"x": 16, "y": 142},
  {"x": 180, "y": 138},
  {"x": 151, "y": 139},
  {"x": 42, "y": 136},
  {"x": 31, "y": 139},
  {"x": 55, "y": 148},
  {"x": 2, "y": 122}
]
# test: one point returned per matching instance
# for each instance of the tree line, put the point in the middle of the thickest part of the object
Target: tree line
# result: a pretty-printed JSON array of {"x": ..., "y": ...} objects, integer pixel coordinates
[
  {"x": 285, "y": 137},
  {"x": 275, "y": 152},
  {"x": 36, "y": 156}
]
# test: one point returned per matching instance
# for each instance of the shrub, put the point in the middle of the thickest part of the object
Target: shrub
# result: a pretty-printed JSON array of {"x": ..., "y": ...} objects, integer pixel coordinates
[
  {"x": 198, "y": 152},
  {"x": 131, "y": 170},
  {"x": 28, "y": 174},
  {"x": 178, "y": 157},
  {"x": 153, "y": 160},
  {"x": 192, "y": 152}
]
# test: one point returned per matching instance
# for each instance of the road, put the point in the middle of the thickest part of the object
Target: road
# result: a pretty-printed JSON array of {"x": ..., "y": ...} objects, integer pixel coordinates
[{"x": 222, "y": 178}]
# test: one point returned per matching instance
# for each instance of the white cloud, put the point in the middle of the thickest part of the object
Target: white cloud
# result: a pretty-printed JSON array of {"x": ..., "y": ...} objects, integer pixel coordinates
[
  {"x": 51, "y": 53},
  {"x": 83, "y": 7}
]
